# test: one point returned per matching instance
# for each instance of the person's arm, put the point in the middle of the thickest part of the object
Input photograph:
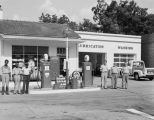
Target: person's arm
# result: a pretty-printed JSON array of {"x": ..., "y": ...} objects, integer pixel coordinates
[{"x": 10, "y": 73}]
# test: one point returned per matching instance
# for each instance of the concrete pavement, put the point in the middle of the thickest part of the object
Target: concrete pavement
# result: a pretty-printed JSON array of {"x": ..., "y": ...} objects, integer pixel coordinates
[{"x": 107, "y": 104}]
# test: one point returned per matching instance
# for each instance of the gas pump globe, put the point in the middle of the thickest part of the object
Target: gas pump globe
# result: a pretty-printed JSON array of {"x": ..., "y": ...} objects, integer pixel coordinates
[
  {"x": 46, "y": 57},
  {"x": 86, "y": 58}
]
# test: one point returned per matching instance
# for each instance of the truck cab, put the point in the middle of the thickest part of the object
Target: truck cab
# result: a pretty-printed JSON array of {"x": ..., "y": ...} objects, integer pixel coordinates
[{"x": 138, "y": 70}]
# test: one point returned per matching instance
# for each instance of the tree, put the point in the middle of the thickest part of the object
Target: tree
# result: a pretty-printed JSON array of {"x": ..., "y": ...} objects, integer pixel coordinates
[
  {"x": 87, "y": 25},
  {"x": 124, "y": 17},
  {"x": 54, "y": 18},
  {"x": 73, "y": 25},
  {"x": 63, "y": 19},
  {"x": 45, "y": 18}
]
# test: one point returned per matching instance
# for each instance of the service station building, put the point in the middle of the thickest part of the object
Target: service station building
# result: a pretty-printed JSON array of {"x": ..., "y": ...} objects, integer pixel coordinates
[{"x": 21, "y": 41}]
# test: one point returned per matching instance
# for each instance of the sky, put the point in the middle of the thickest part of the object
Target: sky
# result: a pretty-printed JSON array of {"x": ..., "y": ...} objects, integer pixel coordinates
[{"x": 76, "y": 10}]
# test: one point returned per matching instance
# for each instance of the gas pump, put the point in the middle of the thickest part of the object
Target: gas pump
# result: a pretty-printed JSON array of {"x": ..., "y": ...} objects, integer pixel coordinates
[
  {"x": 45, "y": 74},
  {"x": 87, "y": 72}
]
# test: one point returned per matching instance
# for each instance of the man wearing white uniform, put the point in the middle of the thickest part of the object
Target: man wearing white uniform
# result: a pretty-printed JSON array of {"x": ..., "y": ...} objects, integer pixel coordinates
[
  {"x": 104, "y": 73},
  {"x": 125, "y": 76}
]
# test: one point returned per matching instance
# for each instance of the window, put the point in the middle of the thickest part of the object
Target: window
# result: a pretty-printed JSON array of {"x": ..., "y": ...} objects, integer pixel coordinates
[
  {"x": 61, "y": 51},
  {"x": 24, "y": 53},
  {"x": 120, "y": 59}
]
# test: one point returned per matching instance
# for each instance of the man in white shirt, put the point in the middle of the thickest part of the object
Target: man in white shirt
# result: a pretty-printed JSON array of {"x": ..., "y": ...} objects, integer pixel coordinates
[
  {"x": 114, "y": 73},
  {"x": 26, "y": 71},
  {"x": 6, "y": 74},
  {"x": 125, "y": 76},
  {"x": 104, "y": 73},
  {"x": 16, "y": 72}
]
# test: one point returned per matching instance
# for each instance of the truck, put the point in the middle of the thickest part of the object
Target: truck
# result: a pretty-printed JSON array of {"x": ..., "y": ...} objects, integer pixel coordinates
[{"x": 138, "y": 70}]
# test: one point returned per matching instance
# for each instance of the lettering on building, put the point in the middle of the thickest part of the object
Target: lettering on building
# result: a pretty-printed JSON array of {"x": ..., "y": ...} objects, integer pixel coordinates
[
  {"x": 125, "y": 48},
  {"x": 91, "y": 46}
]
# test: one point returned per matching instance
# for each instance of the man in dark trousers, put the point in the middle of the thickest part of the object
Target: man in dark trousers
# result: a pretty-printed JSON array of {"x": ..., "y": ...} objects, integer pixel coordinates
[{"x": 26, "y": 78}]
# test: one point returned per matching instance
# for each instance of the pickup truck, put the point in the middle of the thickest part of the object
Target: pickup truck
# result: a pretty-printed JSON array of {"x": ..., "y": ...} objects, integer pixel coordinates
[{"x": 138, "y": 70}]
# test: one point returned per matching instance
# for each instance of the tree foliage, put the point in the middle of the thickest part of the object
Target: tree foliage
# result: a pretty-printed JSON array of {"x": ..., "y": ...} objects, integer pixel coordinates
[
  {"x": 125, "y": 17},
  {"x": 86, "y": 25}
]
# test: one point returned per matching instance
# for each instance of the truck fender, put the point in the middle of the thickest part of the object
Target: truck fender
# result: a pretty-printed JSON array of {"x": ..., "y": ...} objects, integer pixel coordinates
[{"x": 140, "y": 73}]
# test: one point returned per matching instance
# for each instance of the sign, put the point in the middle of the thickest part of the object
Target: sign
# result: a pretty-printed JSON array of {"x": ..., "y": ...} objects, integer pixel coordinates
[
  {"x": 125, "y": 48},
  {"x": 46, "y": 68},
  {"x": 87, "y": 67},
  {"x": 46, "y": 75},
  {"x": 90, "y": 46},
  {"x": 76, "y": 74}
]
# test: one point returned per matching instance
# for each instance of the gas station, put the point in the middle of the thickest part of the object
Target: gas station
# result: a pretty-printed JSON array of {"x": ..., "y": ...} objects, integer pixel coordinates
[
  {"x": 22, "y": 41},
  {"x": 69, "y": 52}
]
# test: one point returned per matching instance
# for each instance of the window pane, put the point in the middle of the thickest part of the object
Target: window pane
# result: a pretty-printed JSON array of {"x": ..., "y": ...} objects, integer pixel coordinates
[
  {"x": 123, "y": 60},
  {"x": 30, "y": 50},
  {"x": 17, "y": 49},
  {"x": 116, "y": 59},
  {"x": 116, "y": 55},
  {"x": 43, "y": 50},
  {"x": 61, "y": 51},
  {"x": 123, "y": 55}
]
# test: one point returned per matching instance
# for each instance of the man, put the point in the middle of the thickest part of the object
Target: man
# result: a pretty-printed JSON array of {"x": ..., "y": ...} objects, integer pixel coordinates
[
  {"x": 125, "y": 76},
  {"x": 17, "y": 78},
  {"x": 114, "y": 74},
  {"x": 6, "y": 74},
  {"x": 104, "y": 73},
  {"x": 26, "y": 78}
]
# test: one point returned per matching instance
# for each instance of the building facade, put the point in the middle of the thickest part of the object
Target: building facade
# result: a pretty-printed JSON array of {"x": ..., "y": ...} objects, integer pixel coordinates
[
  {"x": 21, "y": 41},
  {"x": 114, "y": 48}
]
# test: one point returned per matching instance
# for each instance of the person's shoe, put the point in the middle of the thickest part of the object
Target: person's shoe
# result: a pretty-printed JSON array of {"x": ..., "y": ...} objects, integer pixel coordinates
[
  {"x": 2, "y": 90},
  {"x": 7, "y": 91}
]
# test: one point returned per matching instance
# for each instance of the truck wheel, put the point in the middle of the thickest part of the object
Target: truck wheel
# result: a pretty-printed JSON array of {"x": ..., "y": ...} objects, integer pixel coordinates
[
  {"x": 151, "y": 78},
  {"x": 136, "y": 76}
]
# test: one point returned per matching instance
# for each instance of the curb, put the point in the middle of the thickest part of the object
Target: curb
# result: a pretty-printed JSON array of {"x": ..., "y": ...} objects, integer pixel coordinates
[{"x": 51, "y": 91}]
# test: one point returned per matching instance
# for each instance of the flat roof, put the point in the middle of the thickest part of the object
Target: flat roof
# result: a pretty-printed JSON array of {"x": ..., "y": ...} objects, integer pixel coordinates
[{"x": 107, "y": 37}]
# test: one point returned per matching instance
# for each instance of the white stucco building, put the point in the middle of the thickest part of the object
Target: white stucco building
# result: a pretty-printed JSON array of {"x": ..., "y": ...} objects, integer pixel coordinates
[
  {"x": 21, "y": 41},
  {"x": 114, "y": 48}
]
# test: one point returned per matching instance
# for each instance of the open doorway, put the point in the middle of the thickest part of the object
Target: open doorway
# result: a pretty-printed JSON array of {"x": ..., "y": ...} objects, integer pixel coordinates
[{"x": 95, "y": 58}]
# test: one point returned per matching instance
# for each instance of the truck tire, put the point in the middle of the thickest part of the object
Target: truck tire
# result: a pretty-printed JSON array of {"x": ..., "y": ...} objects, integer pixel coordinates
[
  {"x": 151, "y": 78},
  {"x": 136, "y": 76}
]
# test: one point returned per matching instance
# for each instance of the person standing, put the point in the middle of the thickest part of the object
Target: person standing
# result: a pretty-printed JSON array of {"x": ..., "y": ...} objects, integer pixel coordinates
[
  {"x": 104, "y": 73},
  {"x": 125, "y": 76},
  {"x": 6, "y": 75},
  {"x": 114, "y": 76},
  {"x": 17, "y": 78},
  {"x": 26, "y": 78}
]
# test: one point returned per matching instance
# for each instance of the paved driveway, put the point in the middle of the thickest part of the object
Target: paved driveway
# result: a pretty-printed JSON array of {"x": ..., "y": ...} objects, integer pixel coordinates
[{"x": 107, "y": 104}]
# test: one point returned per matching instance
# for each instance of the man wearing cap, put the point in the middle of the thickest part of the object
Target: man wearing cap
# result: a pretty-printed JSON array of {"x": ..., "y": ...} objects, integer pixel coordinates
[
  {"x": 6, "y": 74},
  {"x": 104, "y": 72},
  {"x": 114, "y": 74},
  {"x": 125, "y": 76}
]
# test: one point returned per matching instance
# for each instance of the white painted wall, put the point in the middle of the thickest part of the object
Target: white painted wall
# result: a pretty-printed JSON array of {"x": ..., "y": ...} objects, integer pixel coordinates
[
  {"x": 73, "y": 59},
  {"x": 6, "y": 50},
  {"x": 110, "y": 44}
]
